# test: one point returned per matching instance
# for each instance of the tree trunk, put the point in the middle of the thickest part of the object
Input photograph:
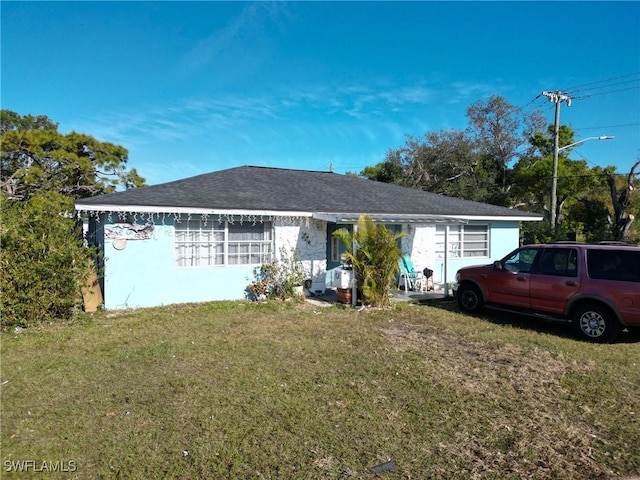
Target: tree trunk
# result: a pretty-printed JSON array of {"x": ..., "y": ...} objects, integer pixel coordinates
[{"x": 622, "y": 219}]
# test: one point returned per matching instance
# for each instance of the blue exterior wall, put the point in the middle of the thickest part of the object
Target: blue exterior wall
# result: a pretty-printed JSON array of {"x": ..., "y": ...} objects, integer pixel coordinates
[
  {"x": 503, "y": 238},
  {"x": 144, "y": 274}
]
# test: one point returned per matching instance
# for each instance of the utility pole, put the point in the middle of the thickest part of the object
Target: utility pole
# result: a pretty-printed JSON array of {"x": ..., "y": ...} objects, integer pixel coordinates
[{"x": 557, "y": 98}]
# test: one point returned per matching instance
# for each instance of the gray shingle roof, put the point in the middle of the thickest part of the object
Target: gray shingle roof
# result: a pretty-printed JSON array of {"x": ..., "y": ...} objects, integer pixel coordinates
[{"x": 277, "y": 189}]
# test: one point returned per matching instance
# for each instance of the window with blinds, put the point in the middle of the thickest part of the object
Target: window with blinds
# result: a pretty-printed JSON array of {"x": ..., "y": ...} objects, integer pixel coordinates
[
  {"x": 464, "y": 241},
  {"x": 200, "y": 244}
]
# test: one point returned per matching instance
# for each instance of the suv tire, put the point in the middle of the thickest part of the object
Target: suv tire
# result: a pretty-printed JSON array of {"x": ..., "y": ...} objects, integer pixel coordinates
[
  {"x": 595, "y": 323},
  {"x": 469, "y": 298}
]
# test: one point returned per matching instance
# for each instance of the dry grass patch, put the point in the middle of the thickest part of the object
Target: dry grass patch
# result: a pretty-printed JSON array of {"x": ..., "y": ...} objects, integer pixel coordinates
[
  {"x": 288, "y": 390},
  {"x": 519, "y": 399}
]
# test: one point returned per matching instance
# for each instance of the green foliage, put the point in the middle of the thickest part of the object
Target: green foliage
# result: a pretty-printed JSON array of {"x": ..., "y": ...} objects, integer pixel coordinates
[
  {"x": 388, "y": 171},
  {"x": 375, "y": 261},
  {"x": 280, "y": 278},
  {"x": 473, "y": 164},
  {"x": 500, "y": 129},
  {"x": 505, "y": 157},
  {"x": 41, "y": 172},
  {"x": 535, "y": 232},
  {"x": 593, "y": 204},
  {"x": 36, "y": 157},
  {"x": 42, "y": 259},
  {"x": 543, "y": 141}
]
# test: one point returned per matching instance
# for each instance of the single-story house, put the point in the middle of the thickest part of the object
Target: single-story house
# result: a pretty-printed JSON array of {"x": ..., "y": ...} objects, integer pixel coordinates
[{"x": 201, "y": 238}]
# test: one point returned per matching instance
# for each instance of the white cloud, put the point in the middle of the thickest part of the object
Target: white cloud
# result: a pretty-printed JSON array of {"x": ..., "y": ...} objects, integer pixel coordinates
[
  {"x": 341, "y": 124},
  {"x": 244, "y": 42}
]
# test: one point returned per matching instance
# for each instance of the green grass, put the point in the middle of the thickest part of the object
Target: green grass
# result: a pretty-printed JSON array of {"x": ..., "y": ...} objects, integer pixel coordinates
[{"x": 291, "y": 390}]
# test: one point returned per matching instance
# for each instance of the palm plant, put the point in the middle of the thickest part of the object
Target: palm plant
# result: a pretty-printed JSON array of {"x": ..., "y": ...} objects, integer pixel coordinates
[{"x": 375, "y": 259}]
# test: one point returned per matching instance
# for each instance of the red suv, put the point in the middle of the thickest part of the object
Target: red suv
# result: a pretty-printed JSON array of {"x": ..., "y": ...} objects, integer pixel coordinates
[{"x": 594, "y": 286}]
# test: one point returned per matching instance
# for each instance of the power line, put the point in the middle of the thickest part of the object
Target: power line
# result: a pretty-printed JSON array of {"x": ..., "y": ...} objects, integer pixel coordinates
[
  {"x": 605, "y": 86},
  {"x": 606, "y": 93},
  {"x": 593, "y": 164},
  {"x": 609, "y": 126},
  {"x": 535, "y": 181},
  {"x": 602, "y": 81},
  {"x": 530, "y": 102}
]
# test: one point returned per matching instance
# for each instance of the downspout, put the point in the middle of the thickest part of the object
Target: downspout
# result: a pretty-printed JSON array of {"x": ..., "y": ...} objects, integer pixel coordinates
[{"x": 354, "y": 249}]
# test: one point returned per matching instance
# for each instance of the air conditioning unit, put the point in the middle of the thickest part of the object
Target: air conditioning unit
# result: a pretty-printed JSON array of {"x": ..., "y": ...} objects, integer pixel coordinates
[{"x": 342, "y": 278}]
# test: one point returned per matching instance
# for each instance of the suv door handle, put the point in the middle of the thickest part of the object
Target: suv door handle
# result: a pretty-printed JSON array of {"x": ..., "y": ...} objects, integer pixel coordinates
[
  {"x": 520, "y": 278},
  {"x": 571, "y": 283}
]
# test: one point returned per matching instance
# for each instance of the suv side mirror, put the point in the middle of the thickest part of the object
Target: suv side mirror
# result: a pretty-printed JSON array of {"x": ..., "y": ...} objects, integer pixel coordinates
[{"x": 497, "y": 265}]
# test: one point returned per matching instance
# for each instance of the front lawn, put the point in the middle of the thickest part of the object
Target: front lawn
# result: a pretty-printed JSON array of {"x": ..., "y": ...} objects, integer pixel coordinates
[{"x": 291, "y": 390}]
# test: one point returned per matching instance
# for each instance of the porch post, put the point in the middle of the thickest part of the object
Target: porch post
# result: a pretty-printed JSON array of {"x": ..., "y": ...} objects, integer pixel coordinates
[
  {"x": 354, "y": 249},
  {"x": 446, "y": 260}
]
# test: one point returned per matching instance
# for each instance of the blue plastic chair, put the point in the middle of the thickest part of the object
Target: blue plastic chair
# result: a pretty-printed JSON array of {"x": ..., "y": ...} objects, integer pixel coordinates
[{"x": 409, "y": 277}]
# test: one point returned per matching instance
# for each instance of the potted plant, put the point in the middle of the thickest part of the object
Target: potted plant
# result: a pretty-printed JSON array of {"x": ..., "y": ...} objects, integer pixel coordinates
[{"x": 374, "y": 261}]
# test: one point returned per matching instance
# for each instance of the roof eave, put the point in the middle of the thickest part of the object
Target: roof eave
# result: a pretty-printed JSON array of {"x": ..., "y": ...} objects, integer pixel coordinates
[
  {"x": 334, "y": 217},
  {"x": 388, "y": 218},
  {"x": 104, "y": 208},
  {"x": 514, "y": 218}
]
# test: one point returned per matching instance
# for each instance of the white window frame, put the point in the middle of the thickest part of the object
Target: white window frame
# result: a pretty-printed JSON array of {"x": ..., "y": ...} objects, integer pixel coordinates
[
  {"x": 462, "y": 241},
  {"x": 199, "y": 243}
]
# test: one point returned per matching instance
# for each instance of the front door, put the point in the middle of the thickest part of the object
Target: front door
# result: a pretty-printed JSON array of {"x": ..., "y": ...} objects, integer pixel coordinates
[{"x": 335, "y": 247}]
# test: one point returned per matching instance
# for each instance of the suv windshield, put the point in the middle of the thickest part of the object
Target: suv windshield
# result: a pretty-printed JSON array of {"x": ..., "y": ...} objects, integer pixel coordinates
[{"x": 520, "y": 261}]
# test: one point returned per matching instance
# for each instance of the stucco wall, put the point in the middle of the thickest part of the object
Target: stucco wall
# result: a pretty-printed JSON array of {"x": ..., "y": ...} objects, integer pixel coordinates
[
  {"x": 420, "y": 243},
  {"x": 144, "y": 274},
  {"x": 310, "y": 240}
]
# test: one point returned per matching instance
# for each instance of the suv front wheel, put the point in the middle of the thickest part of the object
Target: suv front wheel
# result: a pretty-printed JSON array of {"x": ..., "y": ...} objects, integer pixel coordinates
[
  {"x": 469, "y": 298},
  {"x": 595, "y": 323}
]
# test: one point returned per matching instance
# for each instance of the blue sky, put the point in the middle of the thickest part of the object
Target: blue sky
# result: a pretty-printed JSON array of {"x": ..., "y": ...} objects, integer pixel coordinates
[{"x": 193, "y": 87}]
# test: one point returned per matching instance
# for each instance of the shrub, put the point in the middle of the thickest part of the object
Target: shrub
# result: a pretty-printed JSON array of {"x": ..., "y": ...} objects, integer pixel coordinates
[
  {"x": 42, "y": 259},
  {"x": 279, "y": 278},
  {"x": 375, "y": 261}
]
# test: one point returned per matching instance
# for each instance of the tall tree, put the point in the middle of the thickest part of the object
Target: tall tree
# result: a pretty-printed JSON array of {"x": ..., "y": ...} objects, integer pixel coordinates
[
  {"x": 542, "y": 142},
  {"x": 533, "y": 175},
  {"x": 501, "y": 130},
  {"x": 589, "y": 215},
  {"x": 388, "y": 171},
  {"x": 445, "y": 162},
  {"x": 36, "y": 157},
  {"x": 474, "y": 164},
  {"x": 43, "y": 260}
]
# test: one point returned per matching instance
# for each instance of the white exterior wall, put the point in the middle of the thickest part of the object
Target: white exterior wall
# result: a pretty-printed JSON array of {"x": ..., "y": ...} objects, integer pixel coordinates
[
  {"x": 310, "y": 241},
  {"x": 420, "y": 244}
]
